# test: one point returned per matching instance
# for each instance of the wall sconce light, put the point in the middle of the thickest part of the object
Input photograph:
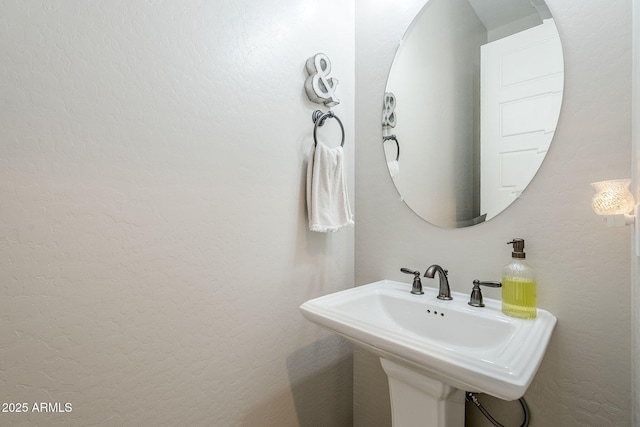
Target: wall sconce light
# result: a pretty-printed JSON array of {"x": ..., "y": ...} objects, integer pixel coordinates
[{"x": 614, "y": 201}]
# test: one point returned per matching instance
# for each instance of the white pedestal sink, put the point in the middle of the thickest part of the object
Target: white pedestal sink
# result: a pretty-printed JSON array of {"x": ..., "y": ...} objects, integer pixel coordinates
[{"x": 432, "y": 350}]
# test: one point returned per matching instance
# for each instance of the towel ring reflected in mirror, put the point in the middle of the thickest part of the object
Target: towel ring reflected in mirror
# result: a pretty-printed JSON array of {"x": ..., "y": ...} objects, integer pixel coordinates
[{"x": 319, "y": 118}]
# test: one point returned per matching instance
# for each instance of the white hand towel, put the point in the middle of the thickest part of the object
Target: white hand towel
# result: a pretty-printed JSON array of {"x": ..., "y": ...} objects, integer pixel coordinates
[
  {"x": 394, "y": 168},
  {"x": 327, "y": 199}
]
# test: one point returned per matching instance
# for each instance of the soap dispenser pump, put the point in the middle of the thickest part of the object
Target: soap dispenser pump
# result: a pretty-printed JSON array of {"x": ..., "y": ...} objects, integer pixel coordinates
[{"x": 518, "y": 284}]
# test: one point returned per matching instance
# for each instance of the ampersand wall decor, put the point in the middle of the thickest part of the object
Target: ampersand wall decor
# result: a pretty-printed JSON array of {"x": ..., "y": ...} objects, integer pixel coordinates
[
  {"x": 320, "y": 88},
  {"x": 388, "y": 110}
]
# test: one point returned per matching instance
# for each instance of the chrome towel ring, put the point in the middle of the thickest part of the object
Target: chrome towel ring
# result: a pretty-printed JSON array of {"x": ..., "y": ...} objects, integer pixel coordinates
[
  {"x": 389, "y": 138},
  {"x": 319, "y": 117}
]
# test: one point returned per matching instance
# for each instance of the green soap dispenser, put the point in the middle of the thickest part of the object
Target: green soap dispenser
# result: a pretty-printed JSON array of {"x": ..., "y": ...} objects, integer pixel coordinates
[{"x": 518, "y": 285}]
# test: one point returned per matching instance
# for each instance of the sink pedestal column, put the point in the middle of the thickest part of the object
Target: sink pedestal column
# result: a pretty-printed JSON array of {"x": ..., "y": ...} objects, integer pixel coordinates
[{"x": 420, "y": 401}]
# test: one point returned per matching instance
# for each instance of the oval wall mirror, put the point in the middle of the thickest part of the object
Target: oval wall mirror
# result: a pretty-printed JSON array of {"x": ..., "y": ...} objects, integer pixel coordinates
[{"x": 471, "y": 106}]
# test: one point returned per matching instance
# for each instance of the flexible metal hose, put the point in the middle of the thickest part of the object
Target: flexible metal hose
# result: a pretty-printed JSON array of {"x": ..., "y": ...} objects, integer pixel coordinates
[{"x": 472, "y": 397}]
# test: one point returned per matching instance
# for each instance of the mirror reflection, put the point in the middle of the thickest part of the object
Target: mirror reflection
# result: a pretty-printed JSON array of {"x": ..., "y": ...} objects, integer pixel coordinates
[{"x": 471, "y": 105}]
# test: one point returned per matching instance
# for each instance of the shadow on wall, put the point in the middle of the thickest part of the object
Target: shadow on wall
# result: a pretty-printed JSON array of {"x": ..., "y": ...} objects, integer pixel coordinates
[{"x": 321, "y": 377}]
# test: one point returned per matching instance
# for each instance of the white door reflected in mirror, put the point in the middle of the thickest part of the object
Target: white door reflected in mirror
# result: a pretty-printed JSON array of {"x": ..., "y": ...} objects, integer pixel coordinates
[{"x": 521, "y": 92}]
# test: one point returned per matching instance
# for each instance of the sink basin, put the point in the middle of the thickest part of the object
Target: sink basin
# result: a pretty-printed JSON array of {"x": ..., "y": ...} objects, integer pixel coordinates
[{"x": 468, "y": 348}]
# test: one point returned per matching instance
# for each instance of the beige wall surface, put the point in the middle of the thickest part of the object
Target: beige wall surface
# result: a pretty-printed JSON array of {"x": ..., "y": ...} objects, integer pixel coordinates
[
  {"x": 635, "y": 167},
  {"x": 583, "y": 267},
  {"x": 153, "y": 241}
]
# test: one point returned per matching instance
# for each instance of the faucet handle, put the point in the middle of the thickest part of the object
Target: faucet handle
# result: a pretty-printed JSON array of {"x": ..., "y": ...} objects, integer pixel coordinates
[
  {"x": 417, "y": 284},
  {"x": 476, "y": 293}
]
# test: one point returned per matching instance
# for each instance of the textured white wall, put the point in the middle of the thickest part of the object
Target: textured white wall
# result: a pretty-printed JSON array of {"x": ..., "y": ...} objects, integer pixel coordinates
[
  {"x": 635, "y": 170},
  {"x": 583, "y": 267},
  {"x": 153, "y": 243}
]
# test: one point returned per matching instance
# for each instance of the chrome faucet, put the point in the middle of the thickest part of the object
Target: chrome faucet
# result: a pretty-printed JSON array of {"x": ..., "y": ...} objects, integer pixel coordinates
[{"x": 444, "y": 292}]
